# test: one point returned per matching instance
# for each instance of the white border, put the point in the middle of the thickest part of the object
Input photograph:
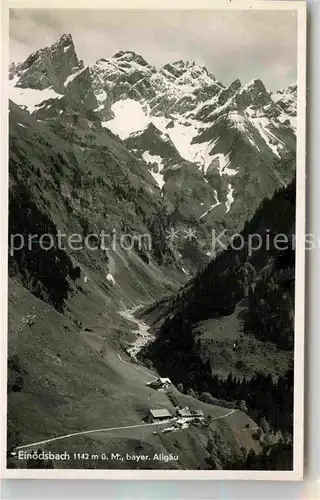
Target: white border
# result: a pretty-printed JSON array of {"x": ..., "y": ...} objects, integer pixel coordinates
[{"x": 297, "y": 473}]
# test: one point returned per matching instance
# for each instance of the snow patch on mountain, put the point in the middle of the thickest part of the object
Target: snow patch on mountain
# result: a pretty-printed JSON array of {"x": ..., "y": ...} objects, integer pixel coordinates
[
  {"x": 229, "y": 171},
  {"x": 31, "y": 99},
  {"x": 158, "y": 160},
  {"x": 212, "y": 206},
  {"x": 238, "y": 119},
  {"x": 203, "y": 154},
  {"x": 182, "y": 134},
  {"x": 161, "y": 123},
  {"x": 73, "y": 76},
  {"x": 230, "y": 198},
  {"x": 254, "y": 144},
  {"x": 129, "y": 117},
  {"x": 182, "y": 137},
  {"x": 274, "y": 143}
]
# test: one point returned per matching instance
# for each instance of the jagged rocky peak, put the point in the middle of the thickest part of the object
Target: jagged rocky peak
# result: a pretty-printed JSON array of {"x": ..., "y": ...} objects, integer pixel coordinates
[
  {"x": 220, "y": 97},
  {"x": 289, "y": 89},
  {"x": 286, "y": 98},
  {"x": 65, "y": 39},
  {"x": 50, "y": 66},
  {"x": 253, "y": 93},
  {"x": 179, "y": 69},
  {"x": 125, "y": 75},
  {"x": 178, "y": 86},
  {"x": 129, "y": 56},
  {"x": 181, "y": 86},
  {"x": 228, "y": 92},
  {"x": 54, "y": 72},
  {"x": 235, "y": 85},
  {"x": 62, "y": 46},
  {"x": 124, "y": 60},
  {"x": 78, "y": 88},
  {"x": 255, "y": 87}
]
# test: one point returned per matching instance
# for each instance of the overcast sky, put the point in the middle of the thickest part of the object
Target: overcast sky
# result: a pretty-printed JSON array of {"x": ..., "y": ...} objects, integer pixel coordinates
[{"x": 234, "y": 44}]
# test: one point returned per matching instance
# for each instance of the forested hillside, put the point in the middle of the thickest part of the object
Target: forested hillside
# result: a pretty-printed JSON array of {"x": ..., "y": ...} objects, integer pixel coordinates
[{"x": 265, "y": 281}]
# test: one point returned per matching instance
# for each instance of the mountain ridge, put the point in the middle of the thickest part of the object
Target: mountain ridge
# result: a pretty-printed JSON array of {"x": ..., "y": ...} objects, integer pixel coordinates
[{"x": 214, "y": 151}]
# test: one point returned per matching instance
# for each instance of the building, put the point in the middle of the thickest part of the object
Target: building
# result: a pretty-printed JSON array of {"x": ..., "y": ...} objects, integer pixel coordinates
[
  {"x": 165, "y": 381},
  {"x": 160, "y": 383},
  {"x": 160, "y": 414},
  {"x": 186, "y": 412},
  {"x": 110, "y": 279}
]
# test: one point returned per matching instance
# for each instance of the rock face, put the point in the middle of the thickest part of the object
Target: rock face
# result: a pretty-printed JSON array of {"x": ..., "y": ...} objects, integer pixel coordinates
[
  {"x": 125, "y": 74},
  {"x": 49, "y": 67},
  {"x": 286, "y": 99},
  {"x": 236, "y": 137},
  {"x": 214, "y": 151},
  {"x": 175, "y": 87}
]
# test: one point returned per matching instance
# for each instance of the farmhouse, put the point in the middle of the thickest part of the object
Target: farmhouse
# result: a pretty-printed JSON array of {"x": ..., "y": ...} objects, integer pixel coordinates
[
  {"x": 110, "y": 279},
  {"x": 160, "y": 414},
  {"x": 160, "y": 383},
  {"x": 186, "y": 412}
]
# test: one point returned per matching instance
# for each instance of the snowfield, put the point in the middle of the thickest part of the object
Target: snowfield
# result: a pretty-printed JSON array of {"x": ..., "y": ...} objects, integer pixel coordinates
[
  {"x": 31, "y": 99},
  {"x": 158, "y": 160},
  {"x": 129, "y": 117}
]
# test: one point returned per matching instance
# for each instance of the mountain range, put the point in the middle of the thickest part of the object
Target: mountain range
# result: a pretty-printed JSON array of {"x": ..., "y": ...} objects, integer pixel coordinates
[{"x": 213, "y": 151}]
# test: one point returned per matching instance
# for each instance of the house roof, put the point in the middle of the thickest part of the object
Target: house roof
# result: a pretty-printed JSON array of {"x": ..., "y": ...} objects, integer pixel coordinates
[
  {"x": 161, "y": 413},
  {"x": 184, "y": 412}
]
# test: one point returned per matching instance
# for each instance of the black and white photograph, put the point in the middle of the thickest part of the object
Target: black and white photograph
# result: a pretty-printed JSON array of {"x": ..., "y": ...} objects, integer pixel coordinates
[{"x": 156, "y": 241}]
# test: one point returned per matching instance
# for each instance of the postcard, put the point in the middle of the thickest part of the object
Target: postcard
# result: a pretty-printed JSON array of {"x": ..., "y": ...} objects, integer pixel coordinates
[{"x": 155, "y": 174}]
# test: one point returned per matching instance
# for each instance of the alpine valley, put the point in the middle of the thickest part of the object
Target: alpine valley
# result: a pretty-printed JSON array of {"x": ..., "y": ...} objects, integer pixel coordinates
[{"x": 170, "y": 154}]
